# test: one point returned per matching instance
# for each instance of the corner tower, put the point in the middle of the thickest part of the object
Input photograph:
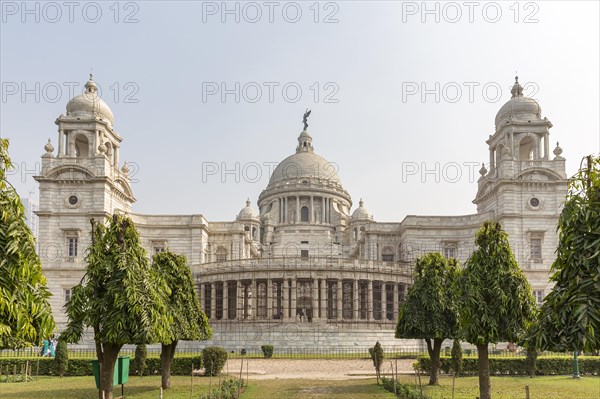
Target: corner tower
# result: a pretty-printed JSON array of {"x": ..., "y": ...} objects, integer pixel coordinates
[
  {"x": 81, "y": 181},
  {"x": 525, "y": 185}
]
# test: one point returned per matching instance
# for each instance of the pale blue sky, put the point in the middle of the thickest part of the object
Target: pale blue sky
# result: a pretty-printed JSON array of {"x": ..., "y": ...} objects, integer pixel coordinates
[{"x": 371, "y": 56}]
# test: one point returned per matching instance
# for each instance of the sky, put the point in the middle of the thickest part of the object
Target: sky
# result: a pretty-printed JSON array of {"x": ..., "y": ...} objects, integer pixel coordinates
[{"x": 209, "y": 96}]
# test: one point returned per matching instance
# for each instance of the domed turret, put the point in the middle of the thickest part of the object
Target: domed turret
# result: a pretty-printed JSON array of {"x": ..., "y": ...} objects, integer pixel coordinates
[
  {"x": 518, "y": 107},
  {"x": 248, "y": 212},
  {"x": 90, "y": 105},
  {"x": 361, "y": 213}
]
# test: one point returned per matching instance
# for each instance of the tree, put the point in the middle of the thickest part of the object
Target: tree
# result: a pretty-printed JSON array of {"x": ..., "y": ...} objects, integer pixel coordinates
[
  {"x": 496, "y": 301},
  {"x": 139, "y": 360},
  {"x": 121, "y": 297},
  {"x": 570, "y": 316},
  {"x": 376, "y": 353},
  {"x": 457, "y": 362},
  {"x": 429, "y": 311},
  {"x": 61, "y": 357},
  {"x": 25, "y": 314},
  {"x": 189, "y": 321}
]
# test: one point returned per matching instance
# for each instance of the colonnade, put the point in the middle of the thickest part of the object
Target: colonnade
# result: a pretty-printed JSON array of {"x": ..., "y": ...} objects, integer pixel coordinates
[{"x": 302, "y": 299}]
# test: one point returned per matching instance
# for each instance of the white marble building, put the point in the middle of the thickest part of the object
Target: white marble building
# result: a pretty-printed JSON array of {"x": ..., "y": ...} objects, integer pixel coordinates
[{"x": 304, "y": 270}]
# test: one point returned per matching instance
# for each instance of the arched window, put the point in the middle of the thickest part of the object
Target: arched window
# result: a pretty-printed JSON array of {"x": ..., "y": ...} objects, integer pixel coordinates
[
  {"x": 387, "y": 254},
  {"x": 526, "y": 149},
  {"x": 221, "y": 254},
  {"x": 355, "y": 233},
  {"x": 304, "y": 214},
  {"x": 81, "y": 146}
]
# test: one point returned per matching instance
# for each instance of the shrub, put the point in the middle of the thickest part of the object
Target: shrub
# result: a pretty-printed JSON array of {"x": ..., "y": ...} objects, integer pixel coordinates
[
  {"x": 267, "y": 351},
  {"x": 213, "y": 359},
  {"x": 589, "y": 365},
  {"x": 457, "y": 358},
  {"x": 228, "y": 389},
  {"x": 139, "y": 360},
  {"x": 61, "y": 357},
  {"x": 403, "y": 391},
  {"x": 376, "y": 353}
]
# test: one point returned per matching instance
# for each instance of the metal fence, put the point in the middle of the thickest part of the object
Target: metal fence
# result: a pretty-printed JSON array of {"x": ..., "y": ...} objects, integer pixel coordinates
[{"x": 282, "y": 353}]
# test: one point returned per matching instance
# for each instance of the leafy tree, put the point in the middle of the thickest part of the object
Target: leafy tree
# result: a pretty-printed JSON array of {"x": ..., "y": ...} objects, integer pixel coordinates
[
  {"x": 139, "y": 360},
  {"x": 376, "y": 353},
  {"x": 25, "y": 314},
  {"x": 496, "y": 301},
  {"x": 457, "y": 357},
  {"x": 61, "y": 357},
  {"x": 457, "y": 362},
  {"x": 570, "y": 316},
  {"x": 121, "y": 297},
  {"x": 429, "y": 311},
  {"x": 189, "y": 321}
]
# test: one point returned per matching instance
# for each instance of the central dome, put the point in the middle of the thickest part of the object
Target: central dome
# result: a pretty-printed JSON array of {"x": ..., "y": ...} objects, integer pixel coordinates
[{"x": 305, "y": 165}]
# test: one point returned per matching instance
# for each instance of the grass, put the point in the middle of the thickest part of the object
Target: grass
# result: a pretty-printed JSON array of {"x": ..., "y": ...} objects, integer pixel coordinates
[
  {"x": 85, "y": 388},
  {"x": 543, "y": 387},
  {"x": 312, "y": 389},
  {"x": 556, "y": 387}
]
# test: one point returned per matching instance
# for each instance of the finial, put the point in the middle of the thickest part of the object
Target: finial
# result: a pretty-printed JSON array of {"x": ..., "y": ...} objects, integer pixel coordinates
[
  {"x": 125, "y": 168},
  {"x": 91, "y": 73},
  {"x": 517, "y": 89},
  {"x": 483, "y": 171},
  {"x": 360, "y": 203},
  {"x": 49, "y": 148},
  {"x": 558, "y": 151},
  {"x": 248, "y": 202},
  {"x": 305, "y": 119}
]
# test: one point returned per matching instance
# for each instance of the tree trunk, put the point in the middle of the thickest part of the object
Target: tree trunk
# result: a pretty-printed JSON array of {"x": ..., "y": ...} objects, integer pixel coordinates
[
  {"x": 434, "y": 355},
  {"x": 166, "y": 360},
  {"x": 107, "y": 369},
  {"x": 485, "y": 391}
]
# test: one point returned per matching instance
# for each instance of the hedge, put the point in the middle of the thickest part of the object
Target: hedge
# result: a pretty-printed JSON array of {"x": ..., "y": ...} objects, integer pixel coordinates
[
  {"x": 589, "y": 365},
  {"x": 182, "y": 365}
]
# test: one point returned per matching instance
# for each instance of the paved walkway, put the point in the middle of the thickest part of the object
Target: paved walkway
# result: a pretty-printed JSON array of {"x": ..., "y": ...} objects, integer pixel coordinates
[{"x": 330, "y": 369}]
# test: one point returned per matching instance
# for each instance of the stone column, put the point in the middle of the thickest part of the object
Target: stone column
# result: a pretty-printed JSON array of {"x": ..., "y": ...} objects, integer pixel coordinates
[
  {"x": 395, "y": 299},
  {"x": 315, "y": 299},
  {"x": 116, "y": 157},
  {"x": 254, "y": 299},
  {"x": 370, "y": 300},
  {"x": 492, "y": 165},
  {"x": 311, "y": 215},
  {"x": 546, "y": 146},
  {"x": 225, "y": 301},
  {"x": 239, "y": 312},
  {"x": 297, "y": 209},
  {"x": 322, "y": 209},
  {"x": 383, "y": 301},
  {"x": 323, "y": 307},
  {"x": 285, "y": 214},
  {"x": 339, "y": 299},
  {"x": 286, "y": 299},
  {"x": 293, "y": 300},
  {"x": 213, "y": 301},
  {"x": 269, "y": 299},
  {"x": 355, "y": 299},
  {"x": 202, "y": 297},
  {"x": 61, "y": 140}
]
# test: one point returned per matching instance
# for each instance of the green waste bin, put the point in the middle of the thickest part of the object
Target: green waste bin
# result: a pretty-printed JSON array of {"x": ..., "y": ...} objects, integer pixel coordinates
[
  {"x": 123, "y": 368},
  {"x": 96, "y": 371}
]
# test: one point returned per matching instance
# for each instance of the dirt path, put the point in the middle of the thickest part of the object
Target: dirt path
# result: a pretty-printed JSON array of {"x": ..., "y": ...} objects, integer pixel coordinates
[{"x": 334, "y": 369}]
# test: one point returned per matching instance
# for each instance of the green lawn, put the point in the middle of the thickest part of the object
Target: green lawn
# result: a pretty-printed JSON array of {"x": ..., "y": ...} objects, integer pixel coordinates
[
  {"x": 561, "y": 387},
  {"x": 312, "y": 389},
  {"x": 555, "y": 387}
]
